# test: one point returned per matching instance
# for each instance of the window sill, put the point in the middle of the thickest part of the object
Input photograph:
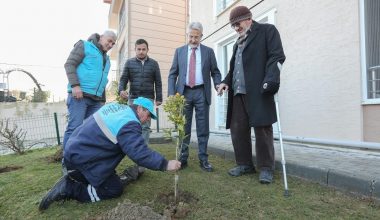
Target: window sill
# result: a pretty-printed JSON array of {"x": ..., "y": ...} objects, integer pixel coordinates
[{"x": 371, "y": 102}]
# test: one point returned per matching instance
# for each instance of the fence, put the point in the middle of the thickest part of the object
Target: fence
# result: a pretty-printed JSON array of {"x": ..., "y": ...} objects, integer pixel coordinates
[
  {"x": 47, "y": 130},
  {"x": 41, "y": 130}
]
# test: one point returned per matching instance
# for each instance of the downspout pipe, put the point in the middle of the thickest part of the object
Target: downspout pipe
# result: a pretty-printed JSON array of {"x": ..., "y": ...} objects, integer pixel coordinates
[{"x": 334, "y": 143}]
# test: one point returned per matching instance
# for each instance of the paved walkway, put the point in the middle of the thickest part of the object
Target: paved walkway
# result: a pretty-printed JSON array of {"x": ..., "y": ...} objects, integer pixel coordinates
[{"x": 353, "y": 170}]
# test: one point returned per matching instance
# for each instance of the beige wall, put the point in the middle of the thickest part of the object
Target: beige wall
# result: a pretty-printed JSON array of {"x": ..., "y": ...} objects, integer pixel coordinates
[
  {"x": 371, "y": 118},
  {"x": 162, "y": 24},
  {"x": 320, "y": 93}
]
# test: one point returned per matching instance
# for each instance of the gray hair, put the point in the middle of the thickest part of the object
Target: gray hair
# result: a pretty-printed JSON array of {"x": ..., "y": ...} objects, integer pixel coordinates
[
  {"x": 195, "y": 26},
  {"x": 109, "y": 33}
]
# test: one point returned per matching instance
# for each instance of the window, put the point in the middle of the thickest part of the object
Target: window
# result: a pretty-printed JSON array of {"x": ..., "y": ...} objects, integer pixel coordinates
[
  {"x": 222, "y": 101},
  {"x": 370, "y": 50},
  {"x": 220, "y": 5},
  {"x": 122, "y": 60},
  {"x": 122, "y": 17}
]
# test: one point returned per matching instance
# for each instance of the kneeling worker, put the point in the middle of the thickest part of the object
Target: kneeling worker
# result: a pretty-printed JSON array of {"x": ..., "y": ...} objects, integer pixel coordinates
[{"x": 96, "y": 148}]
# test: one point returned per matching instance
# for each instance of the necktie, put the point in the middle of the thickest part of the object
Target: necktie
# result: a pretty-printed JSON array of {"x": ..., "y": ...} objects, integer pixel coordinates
[{"x": 192, "y": 68}]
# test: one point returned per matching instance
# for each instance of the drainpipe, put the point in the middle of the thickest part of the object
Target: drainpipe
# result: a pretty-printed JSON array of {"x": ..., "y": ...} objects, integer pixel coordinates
[{"x": 334, "y": 143}]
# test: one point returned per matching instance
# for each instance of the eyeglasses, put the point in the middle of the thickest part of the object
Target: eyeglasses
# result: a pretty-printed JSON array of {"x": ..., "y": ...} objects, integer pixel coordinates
[
  {"x": 234, "y": 25},
  {"x": 237, "y": 24}
]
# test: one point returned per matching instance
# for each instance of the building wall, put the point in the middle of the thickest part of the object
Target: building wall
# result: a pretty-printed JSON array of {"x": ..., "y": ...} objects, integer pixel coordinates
[
  {"x": 371, "y": 119},
  {"x": 162, "y": 24},
  {"x": 320, "y": 93}
]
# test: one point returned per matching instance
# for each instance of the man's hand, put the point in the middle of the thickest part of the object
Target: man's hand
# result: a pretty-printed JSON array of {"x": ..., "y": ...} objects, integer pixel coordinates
[
  {"x": 173, "y": 165},
  {"x": 158, "y": 103},
  {"x": 124, "y": 95},
  {"x": 220, "y": 88},
  {"x": 76, "y": 92}
]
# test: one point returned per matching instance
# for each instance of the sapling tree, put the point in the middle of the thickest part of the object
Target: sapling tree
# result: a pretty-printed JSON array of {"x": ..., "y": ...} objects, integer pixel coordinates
[
  {"x": 119, "y": 99},
  {"x": 174, "y": 107}
]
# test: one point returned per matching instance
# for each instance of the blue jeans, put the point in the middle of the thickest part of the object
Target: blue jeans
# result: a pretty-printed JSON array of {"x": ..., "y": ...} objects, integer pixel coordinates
[{"x": 78, "y": 110}]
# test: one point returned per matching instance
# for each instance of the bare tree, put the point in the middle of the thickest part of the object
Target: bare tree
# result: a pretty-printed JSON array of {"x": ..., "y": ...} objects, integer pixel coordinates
[{"x": 13, "y": 137}]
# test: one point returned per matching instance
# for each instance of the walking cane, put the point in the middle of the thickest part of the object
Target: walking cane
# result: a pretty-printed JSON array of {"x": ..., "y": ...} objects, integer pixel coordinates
[{"x": 286, "y": 192}]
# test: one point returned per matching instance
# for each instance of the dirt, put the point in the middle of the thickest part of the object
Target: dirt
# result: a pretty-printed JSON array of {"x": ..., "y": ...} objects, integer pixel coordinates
[
  {"x": 179, "y": 210},
  {"x": 56, "y": 157},
  {"x": 128, "y": 210},
  {"x": 9, "y": 168}
]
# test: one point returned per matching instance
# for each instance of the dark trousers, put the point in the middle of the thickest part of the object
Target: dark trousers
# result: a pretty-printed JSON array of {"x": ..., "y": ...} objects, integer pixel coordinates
[
  {"x": 195, "y": 99},
  {"x": 241, "y": 137},
  {"x": 78, "y": 188}
]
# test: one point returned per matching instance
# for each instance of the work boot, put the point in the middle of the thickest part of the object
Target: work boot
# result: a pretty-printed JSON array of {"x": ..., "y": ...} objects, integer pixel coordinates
[
  {"x": 266, "y": 176},
  {"x": 57, "y": 193},
  {"x": 240, "y": 170},
  {"x": 205, "y": 165},
  {"x": 131, "y": 174}
]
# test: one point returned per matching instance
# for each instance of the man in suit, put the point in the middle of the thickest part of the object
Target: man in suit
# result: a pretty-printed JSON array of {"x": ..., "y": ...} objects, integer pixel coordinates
[
  {"x": 190, "y": 75},
  {"x": 253, "y": 79}
]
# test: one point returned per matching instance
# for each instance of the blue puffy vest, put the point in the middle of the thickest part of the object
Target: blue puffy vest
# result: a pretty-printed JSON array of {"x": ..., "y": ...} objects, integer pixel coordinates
[{"x": 91, "y": 74}]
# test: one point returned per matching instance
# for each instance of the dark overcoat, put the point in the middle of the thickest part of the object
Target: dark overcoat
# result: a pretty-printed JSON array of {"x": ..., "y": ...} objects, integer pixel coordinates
[{"x": 263, "y": 57}]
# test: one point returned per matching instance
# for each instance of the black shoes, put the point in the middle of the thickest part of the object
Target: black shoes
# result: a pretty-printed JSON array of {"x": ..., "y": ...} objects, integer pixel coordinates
[
  {"x": 183, "y": 164},
  {"x": 241, "y": 170},
  {"x": 57, "y": 193},
  {"x": 205, "y": 165},
  {"x": 266, "y": 176},
  {"x": 131, "y": 174}
]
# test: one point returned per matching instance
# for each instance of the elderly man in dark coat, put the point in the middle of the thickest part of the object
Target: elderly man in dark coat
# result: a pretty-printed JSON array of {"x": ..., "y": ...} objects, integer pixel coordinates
[{"x": 252, "y": 81}]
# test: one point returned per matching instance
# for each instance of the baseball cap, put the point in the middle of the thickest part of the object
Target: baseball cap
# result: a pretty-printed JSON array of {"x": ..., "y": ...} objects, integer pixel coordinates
[{"x": 146, "y": 103}]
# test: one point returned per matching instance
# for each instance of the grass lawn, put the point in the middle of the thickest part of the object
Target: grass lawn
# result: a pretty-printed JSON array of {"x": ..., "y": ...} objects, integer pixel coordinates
[{"x": 219, "y": 196}]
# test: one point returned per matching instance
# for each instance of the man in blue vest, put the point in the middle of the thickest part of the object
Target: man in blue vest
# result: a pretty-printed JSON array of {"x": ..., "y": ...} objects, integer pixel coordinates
[
  {"x": 87, "y": 69},
  {"x": 95, "y": 149}
]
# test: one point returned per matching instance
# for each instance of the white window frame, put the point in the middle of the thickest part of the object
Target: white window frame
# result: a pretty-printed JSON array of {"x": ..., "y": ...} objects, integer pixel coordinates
[
  {"x": 365, "y": 100},
  {"x": 121, "y": 17},
  {"x": 270, "y": 14},
  {"x": 216, "y": 12},
  {"x": 219, "y": 45}
]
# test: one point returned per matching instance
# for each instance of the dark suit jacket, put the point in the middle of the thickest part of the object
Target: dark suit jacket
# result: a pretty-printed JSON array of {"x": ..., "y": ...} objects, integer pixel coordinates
[
  {"x": 178, "y": 71},
  {"x": 262, "y": 56}
]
